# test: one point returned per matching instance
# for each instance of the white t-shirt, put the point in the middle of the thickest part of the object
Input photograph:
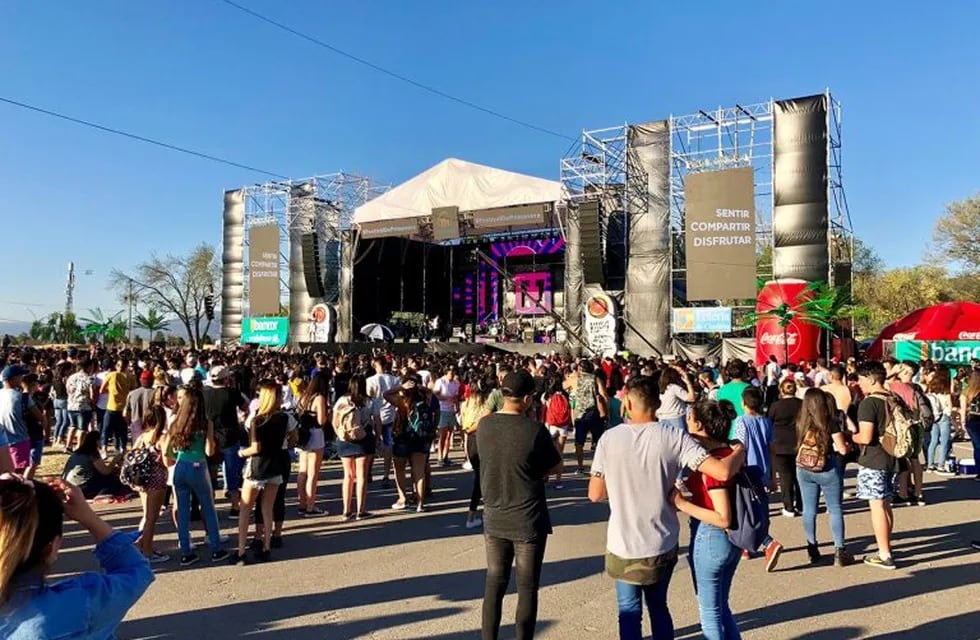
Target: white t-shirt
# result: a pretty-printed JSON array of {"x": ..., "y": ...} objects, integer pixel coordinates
[
  {"x": 640, "y": 463},
  {"x": 673, "y": 403},
  {"x": 377, "y": 386},
  {"x": 446, "y": 388},
  {"x": 425, "y": 377},
  {"x": 773, "y": 371}
]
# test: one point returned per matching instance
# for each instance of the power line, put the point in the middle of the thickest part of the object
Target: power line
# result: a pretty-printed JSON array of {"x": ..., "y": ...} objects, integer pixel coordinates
[
  {"x": 397, "y": 76},
  {"x": 133, "y": 136}
]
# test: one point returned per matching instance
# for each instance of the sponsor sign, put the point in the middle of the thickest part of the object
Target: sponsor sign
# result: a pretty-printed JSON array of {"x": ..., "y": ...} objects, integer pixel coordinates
[
  {"x": 799, "y": 340},
  {"x": 719, "y": 234},
  {"x": 322, "y": 323},
  {"x": 531, "y": 215},
  {"x": 268, "y": 332},
  {"x": 600, "y": 324},
  {"x": 951, "y": 352},
  {"x": 385, "y": 228},
  {"x": 703, "y": 320},
  {"x": 445, "y": 223},
  {"x": 263, "y": 270}
]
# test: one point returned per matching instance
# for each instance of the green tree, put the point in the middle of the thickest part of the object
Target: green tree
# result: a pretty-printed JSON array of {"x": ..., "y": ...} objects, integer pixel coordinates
[
  {"x": 175, "y": 285},
  {"x": 956, "y": 237},
  {"x": 151, "y": 322},
  {"x": 102, "y": 328}
]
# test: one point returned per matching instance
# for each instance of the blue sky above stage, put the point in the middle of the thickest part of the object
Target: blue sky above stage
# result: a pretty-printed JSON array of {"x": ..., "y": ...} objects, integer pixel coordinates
[{"x": 204, "y": 75}]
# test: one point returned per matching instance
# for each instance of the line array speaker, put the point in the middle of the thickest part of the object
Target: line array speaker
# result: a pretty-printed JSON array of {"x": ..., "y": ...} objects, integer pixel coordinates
[
  {"x": 590, "y": 241},
  {"x": 312, "y": 272}
]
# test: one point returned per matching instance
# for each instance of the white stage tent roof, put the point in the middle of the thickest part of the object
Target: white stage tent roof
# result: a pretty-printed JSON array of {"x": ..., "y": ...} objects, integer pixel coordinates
[{"x": 457, "y": 183}]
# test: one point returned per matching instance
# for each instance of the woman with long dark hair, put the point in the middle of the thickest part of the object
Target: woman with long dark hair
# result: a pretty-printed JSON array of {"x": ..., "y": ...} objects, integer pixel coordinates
[
  {"x": 820, "y": 442},
  {"x": 676, "y": 394},
  {"x": 970, "y": 412},
  {"x": 470, "y": 414},
  {"x": 86, "y": 469},
  {"x": 352, "y": 417},
  {"x": 712, "y": 556},
  {"x": 939, "y": 393},
  {"x": 90, "y": 605},
  {"x": 314, "y": 416},
  {"x": 188, "y": 443},
  {"x": 59, "y": 396},
  {"x": 153, "y": 489},
  {"x": 783, "y": 414}
]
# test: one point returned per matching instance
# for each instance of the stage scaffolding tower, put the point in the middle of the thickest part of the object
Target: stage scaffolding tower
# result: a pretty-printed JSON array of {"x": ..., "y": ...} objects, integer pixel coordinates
[{"x": 323, "y": 204}]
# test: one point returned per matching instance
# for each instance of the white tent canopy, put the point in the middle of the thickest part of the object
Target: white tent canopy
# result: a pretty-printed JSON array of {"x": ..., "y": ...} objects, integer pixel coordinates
[{"x": 457, "y": 183}]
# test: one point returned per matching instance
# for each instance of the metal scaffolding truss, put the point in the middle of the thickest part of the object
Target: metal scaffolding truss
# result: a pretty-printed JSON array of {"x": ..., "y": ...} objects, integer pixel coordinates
[
  {"x": 322, "y": 203},
  {"x": 841, "y": 243}
]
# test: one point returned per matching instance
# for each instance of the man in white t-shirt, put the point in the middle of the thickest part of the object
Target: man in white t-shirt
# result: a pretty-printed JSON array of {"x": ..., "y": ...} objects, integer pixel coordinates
[
  {"x": 635, "y": 467},
  {"x": 446, "y": 389},
  {"x": 384, "y": 412}
]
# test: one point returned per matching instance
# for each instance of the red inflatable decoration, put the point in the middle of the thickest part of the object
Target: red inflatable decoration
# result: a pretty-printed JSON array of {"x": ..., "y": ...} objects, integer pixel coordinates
[
  {"x": 803, "y": 339},
  {"x": 949, "y": 321}
]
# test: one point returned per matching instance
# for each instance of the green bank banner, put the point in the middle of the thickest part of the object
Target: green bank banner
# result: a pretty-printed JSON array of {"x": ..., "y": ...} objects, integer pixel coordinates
[
  {"x": 268, "y": 332},
  {"x": 940, "y": 351}
]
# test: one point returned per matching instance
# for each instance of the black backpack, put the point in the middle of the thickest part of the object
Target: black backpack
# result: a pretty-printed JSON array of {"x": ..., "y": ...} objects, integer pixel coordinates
[
  {"x": 923, "y": 408},
  {"x": 420, "y": 423}
]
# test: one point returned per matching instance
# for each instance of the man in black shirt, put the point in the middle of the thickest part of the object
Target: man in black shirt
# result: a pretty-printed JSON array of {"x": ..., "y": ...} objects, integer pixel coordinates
[
  {"x": 516, "y": 455},
  {"x": 222, "y": 402},
  {"x": 876, "y": 475}
]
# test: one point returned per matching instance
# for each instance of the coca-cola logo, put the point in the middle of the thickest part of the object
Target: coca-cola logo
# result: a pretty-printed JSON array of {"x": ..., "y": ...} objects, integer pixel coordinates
[
  {"x": 904, "y": 336},
  {"x": 791, "y": 337},
  {"x": 969, "y": 335}
]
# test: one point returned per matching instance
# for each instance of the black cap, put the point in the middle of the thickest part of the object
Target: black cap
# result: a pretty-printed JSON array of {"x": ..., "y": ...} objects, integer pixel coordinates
[{"x": 517, "y": 384}]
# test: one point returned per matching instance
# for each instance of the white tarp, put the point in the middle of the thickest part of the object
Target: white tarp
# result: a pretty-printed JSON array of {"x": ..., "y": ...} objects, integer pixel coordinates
[{"x": 457, "y": 183}]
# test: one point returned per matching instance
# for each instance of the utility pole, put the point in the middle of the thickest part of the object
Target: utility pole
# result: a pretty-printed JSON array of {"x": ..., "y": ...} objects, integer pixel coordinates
[{"x": 130, "y": 310}]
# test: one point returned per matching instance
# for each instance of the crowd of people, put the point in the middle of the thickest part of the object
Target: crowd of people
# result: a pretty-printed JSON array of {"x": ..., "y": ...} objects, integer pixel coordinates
[{"x": 666, "y": 437}]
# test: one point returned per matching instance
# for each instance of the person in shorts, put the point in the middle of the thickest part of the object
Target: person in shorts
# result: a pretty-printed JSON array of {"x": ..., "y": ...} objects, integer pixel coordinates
[
  {"x": 408, "y": 447},
  {"x": 12, "y": 410},
  {"x": 558, "y": 420},
  {"x": 876, "y": 471}
]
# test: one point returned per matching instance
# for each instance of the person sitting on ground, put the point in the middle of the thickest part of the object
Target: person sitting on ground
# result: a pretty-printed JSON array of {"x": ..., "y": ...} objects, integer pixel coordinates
[
  {"x": 90, "y": 605},
  {"x": 87, "y": 470}
]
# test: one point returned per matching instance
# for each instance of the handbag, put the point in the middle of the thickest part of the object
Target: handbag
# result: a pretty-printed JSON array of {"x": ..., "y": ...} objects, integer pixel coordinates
[{"x": 138, "y": 466}]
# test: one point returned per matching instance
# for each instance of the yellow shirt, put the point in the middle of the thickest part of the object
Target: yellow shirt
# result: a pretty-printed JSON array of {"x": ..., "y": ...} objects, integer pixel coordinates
[{"x": 117, "y": 385}]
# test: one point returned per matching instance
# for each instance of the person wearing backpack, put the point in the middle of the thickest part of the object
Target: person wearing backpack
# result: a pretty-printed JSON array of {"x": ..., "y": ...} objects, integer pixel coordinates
[
  {"x": 970, "y": 412},
  {"x": 876, "y": 466},
  {"x": 415, "y": 428},
  {"x": 558, "y": 420},
  {"x": 712, "y": 556},
  {"x": 910, "y": 470},
  {"x": 352, "y": 421},
  {"x": 820, "y": 442}
]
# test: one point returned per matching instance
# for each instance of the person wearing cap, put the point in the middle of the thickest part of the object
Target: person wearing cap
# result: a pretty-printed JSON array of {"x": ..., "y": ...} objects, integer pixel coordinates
[
  {"x": 222, "y": 402},
  {"x": 516, "y": 455},
  {"x": 138, "y": 404},
  {"x": 15, "y": 445},
  {"x": 116, "y": 386}
]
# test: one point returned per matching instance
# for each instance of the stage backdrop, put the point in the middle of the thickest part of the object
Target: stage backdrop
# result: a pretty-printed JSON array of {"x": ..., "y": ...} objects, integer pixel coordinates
[
  {"x": 263, "y": 270},
  {"x": 720, "y": 234}
]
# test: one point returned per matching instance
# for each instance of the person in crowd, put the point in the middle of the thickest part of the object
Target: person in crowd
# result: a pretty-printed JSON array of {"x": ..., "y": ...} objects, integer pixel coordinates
[
  {"x": 939, "y": 442},
  {"x": 970, "y": 411},
  {"x": 634, "y": 468},
  {"x": 35, "y": 421},
  {"x": 783, "y": 414},
  {"x": 676, "y": 395},
  {"x": 820, "y": 443},
  {"x": 712, "y": 556},
  {"x": 81, "y": 401},
  {"x": 12, "y": 415},
  {"x": 90, "y": 605},
  {"x": 96, "y": 477},
  {"x": 558, "y": 420},
  {"x": 384, "y": 412},
  {"x": 222, "y": 403},
  {"x": 899, "y": 380},
  {"x": 265, "y": 468},
  {"x": 446, "y": 390},
  {"x": 516, "y": 454},
  {"x": 589, "y": 411},
  {"x": 470, "y": 415},
  {"x": 279, "y": 503},
  {"x": 116, "y": 385},
  {"x": 314, "y": 411},
  {"x": 736, "y": 376},
  {"x": 188, "y": 443},
  {"x": 354, "y": 425},
  {"x": 415, "y": 428},
  {"x": 59, "y": 396},
  {"x": 876, "y": 472},
  {"x": 772, "y": 374},
  {"x": 138, "y": 404},
  {"x": 153, "y": 488},
  {"x": 838, "y": 388}
]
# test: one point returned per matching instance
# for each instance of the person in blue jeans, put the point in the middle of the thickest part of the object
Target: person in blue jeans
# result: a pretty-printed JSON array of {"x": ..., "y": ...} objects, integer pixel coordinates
[
  {"x": 712, "y": 556},
  {"x": 87, "y": 606},
  {"x": 818, "y": 469},
  {"x": 970, "y": 411},
  {"x": 188, "y": 443},
  {"x": 941, "y": 401}
]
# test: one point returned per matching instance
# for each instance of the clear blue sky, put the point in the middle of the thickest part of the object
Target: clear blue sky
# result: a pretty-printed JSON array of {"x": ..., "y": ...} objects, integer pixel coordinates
[{"x": 201, "y": 74}]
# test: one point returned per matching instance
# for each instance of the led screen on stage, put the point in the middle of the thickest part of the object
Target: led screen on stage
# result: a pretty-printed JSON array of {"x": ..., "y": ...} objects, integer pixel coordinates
[{"x": 532, "y": 293}]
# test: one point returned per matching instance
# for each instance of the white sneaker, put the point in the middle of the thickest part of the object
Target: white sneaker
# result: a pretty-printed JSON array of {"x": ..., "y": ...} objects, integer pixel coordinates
[
  {"x": 474, "y": 523},
  {"x": 789, "y": 514},
  {"x": 467, "y": 466},
  {"x": 850, "y": 494}
]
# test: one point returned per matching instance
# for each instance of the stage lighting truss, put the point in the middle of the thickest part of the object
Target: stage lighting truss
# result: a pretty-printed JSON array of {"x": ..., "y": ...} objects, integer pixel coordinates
[{"x": 323, "y": 203}]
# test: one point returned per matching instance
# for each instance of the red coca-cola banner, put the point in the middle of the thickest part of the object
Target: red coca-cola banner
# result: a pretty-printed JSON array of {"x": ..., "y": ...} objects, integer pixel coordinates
[{"x": 802, "y": 339}]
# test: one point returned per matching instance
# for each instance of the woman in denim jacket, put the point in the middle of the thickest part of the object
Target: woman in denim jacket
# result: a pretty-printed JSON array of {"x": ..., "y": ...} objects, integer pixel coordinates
[{"x": 31, "y": 521}]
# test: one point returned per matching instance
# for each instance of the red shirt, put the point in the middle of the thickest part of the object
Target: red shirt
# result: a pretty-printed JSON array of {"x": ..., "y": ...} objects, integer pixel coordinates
[{"x": 699, "y": 485}]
